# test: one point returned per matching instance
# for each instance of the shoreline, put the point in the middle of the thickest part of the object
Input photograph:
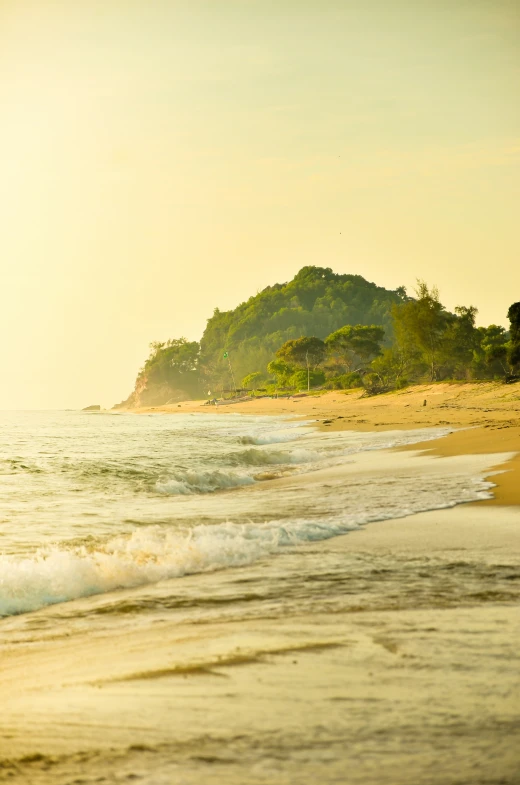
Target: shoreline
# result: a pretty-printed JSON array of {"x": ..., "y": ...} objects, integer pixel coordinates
[
  {"x": 486, "y": 416},
  {"x": 505, "y": 475}
]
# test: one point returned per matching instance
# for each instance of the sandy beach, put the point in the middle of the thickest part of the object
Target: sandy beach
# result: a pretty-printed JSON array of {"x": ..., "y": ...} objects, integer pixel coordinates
[{"x": 402, "y": 670}]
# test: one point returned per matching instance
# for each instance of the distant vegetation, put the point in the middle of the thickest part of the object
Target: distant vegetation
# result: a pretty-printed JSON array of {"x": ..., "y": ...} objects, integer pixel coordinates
[
  {"x": 334, "y": 331},
  {"x": 171, "y": 373}
]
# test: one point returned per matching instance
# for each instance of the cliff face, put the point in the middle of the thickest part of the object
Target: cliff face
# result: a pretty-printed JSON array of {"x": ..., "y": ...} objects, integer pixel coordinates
[
  {"x": 148, "y": 393},
  {"x": 170, "y": 374}
]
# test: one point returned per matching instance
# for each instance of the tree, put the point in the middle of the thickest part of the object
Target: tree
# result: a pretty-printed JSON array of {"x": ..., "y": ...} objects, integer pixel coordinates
[
  {"x": 352, "y": 344},
  {"x": 304, "y": 351},
  {"x": 402, "y": 294},
  {"x": 252, "y": 379},
  {"x": 459, "y": 342},
  {"x": 490, "y": 354},
  {"x": 392, "y": 367},
  {"x": 420, "y": 326},
  {"x": 513, "y": 354},
  {"x": 281, "y": 371},
  {"x": 301, "y": 378},
  {"x": 308, "y": 352}
]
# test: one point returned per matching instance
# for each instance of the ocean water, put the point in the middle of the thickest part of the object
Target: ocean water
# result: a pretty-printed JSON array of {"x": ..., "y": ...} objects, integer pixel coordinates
[
  {"x": 93, "y": 503},
  {"x": 178, "y": 604}
]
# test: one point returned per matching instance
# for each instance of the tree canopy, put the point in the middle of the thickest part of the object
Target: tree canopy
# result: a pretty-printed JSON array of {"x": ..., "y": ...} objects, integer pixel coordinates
[
  {"x": 305, "y": 352},
  {"x": 315, "y": 303},
  {"x": 353, "y": 344},
  {"x": 420, "y": 325},
  {"x": 513, "y": 315}
]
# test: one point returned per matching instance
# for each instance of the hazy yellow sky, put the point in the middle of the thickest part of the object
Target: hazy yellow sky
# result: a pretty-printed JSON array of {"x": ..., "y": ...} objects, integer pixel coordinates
[{"x": 163, "y": 157}]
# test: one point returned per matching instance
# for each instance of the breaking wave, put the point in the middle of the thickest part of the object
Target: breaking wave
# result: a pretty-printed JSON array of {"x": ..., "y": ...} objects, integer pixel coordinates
[
  {"x": 279, "y": 437},
  {"x": 146, "y": 556},
  {"x": 188, "y": 482},
  {"x": 276, "y": 458}
]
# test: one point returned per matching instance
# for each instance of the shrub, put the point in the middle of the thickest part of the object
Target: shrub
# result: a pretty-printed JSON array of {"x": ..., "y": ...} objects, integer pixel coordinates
[
  {"x": 299, "y": 379},
  {"x": 345, "y": 381},
  {"x": 373, "y": 384}
]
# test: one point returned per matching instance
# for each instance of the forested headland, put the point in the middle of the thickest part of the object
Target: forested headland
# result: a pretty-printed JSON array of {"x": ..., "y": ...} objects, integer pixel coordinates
[{"x": 328, "y": 330}]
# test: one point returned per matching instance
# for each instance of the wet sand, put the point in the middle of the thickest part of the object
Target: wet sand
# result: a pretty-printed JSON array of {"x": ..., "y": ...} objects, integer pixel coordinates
[{"x": 413, "y": 680}]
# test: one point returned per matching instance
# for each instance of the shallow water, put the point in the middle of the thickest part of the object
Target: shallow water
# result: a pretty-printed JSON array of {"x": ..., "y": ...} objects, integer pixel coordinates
[{"x": 92, "y": 503}]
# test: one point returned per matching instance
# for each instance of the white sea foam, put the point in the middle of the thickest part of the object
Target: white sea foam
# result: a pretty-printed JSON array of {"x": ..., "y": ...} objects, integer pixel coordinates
[
  {"x": 254, "y": 457},
  {"x": 278, "y": 437},
  {"x": 146, "y": 556},
  {"x": 188, "y": 482}
]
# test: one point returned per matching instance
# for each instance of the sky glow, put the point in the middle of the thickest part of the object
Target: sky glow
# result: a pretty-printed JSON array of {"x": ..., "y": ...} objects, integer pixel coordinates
[{"x": 160, "y": 159}]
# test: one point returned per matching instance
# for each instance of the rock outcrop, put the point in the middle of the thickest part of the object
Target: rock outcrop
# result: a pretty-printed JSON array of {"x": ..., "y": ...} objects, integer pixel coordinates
[{"x": 151, "y": 394}]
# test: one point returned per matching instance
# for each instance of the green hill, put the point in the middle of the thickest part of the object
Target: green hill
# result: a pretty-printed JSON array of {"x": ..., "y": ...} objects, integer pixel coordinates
[{"x": 316, "y": 302}]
